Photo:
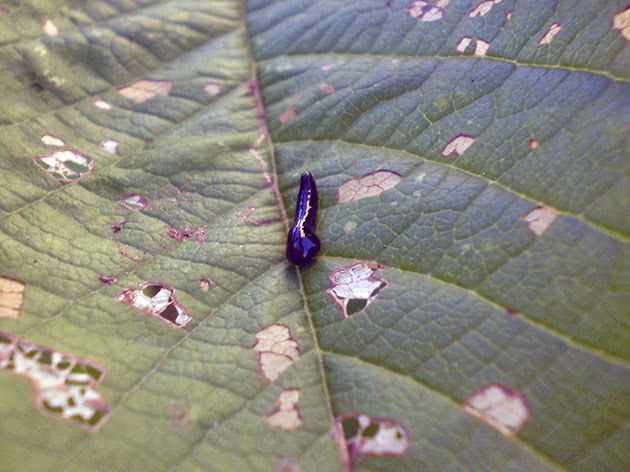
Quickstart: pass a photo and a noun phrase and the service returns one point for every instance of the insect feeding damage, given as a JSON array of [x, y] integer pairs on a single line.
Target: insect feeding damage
[[276, 349], [362, 434], [65, 386], [505, 410], [157, 300], [355, 287], [287, 415], [11, 297]]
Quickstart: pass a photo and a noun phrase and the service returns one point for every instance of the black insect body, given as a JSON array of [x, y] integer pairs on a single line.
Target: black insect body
[[302, 242]]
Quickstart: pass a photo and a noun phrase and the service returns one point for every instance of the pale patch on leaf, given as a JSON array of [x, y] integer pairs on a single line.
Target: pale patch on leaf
[[205, 285], [142, 90], [102, 104], [483, 8], [157, 300], [554, 29], [65, 165], [328, 67], [50, 28], [539, 219], [133, 202], [367, 185], [287, 416], [463, 44], [481, 47], [109, 145], [288, 464], [288, 114], [65, 386], [276, 349], [505, 410], [458, 145], [355, 287], [425, 11], [327, 88], [621, 22], [349, 227], [362, 434], [212, 88], [51, 140], [11, 297]]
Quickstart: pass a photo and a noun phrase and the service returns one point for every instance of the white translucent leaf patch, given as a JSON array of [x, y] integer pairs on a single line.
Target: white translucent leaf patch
[[65, 386], [362, 434], [157, 300], [276, 349], [65, 165], [505, 410], [355, 287], [11, 297], [287, 415]]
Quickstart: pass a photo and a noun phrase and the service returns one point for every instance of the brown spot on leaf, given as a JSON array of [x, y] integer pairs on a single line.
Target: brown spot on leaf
[[539, 219], [554, 29], [11, 297], [355, 287], [65, 386], [327, 88], [106, 279], [505, 410], [367, 185], [182, 234], [458, 145], [362, 434], [65, 165], [276, 349], [287, 415], [157, 300], [288, 114], [621, 22], [142, 90]]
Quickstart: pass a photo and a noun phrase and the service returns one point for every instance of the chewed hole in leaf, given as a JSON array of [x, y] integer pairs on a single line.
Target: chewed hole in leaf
[[65, 165], [355, 287], [368, 185], [52, 140], [458, 145], [65, 386], [505, 410], [552, 31], [11, 297], [157, 300], [362, 434]]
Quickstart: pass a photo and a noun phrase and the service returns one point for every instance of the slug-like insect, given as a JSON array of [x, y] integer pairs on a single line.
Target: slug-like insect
[[302, 242]]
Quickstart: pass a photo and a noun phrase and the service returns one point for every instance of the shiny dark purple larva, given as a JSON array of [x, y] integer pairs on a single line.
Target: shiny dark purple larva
[[302, 242]]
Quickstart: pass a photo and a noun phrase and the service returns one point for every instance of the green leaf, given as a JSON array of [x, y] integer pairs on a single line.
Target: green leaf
[[472, 294]]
